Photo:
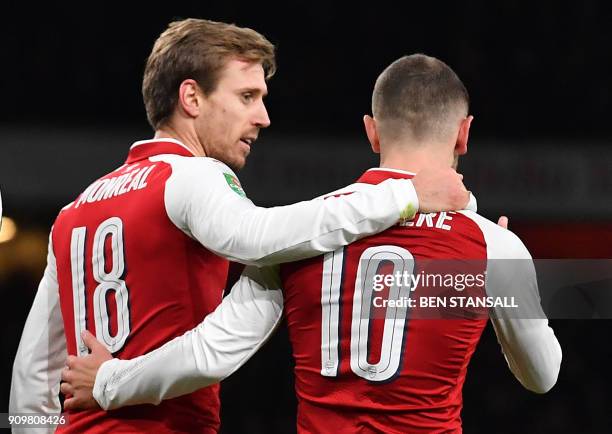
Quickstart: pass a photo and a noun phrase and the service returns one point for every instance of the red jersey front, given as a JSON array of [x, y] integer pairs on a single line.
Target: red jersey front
[[130, 276], [358, 372]]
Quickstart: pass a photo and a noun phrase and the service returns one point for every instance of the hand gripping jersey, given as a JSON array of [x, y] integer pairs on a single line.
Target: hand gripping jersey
[[140, 257], [394, 370]]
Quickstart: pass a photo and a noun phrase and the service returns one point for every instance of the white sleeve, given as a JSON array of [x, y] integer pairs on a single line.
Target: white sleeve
[[222, 343], [205, 200], [41, 354], [529, 344]]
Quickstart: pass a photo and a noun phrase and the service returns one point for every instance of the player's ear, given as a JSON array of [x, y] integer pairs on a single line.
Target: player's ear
[[462, 135], [372, 132], [189, 98]]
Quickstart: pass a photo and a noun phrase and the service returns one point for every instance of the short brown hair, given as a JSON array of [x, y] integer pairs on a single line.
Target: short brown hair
[[418, 95], [197, 49]]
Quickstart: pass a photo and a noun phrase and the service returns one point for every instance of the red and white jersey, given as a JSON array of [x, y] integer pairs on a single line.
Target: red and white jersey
[[130, 275], [354, 373], [140, 257], [361, 371]]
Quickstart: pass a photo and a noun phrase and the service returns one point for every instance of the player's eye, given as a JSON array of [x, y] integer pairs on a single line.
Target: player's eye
[[247, 97]]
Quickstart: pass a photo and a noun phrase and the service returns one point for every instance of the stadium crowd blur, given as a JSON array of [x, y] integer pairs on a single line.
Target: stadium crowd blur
[[538, 77]]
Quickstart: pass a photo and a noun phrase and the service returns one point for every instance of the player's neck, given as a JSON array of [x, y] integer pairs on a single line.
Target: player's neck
[[415, 160], [187, 138]]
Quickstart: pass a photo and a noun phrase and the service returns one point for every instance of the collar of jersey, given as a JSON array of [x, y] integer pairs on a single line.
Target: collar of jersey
[[376, 175], [148, 148]]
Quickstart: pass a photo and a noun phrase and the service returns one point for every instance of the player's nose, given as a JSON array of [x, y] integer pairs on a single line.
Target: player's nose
[[261, 118]]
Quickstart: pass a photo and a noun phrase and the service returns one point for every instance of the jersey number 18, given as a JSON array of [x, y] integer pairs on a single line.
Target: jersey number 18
[[107, 281]]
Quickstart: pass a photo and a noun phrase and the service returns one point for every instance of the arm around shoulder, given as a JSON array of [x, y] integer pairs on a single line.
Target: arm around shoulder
[[205, 200]]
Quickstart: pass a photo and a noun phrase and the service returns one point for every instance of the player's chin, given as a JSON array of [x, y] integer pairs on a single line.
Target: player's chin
[[239, 161], [246, 151]]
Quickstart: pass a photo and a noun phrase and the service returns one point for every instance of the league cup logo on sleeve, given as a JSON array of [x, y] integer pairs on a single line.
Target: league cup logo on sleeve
[[234, 184]]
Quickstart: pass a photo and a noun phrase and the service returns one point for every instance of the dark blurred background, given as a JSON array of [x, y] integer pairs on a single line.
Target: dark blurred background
[[539, 78]]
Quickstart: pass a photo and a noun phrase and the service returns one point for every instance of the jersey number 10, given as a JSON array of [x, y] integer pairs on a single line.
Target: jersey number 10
[[106, 280], [370, 261]]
